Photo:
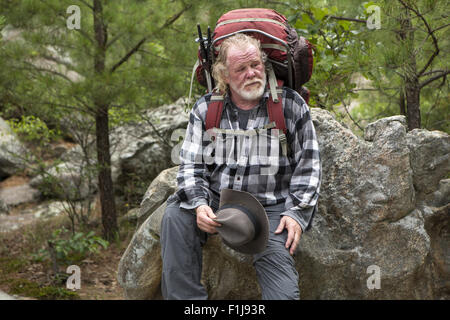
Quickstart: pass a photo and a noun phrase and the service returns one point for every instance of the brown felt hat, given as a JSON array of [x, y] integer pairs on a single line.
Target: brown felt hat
[[245, 226]]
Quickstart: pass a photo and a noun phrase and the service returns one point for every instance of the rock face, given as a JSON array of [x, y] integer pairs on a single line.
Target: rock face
[[139, 152], [16, 195], [383, 210], [67, 180], [43, 211], [10, 146], [4, 296]]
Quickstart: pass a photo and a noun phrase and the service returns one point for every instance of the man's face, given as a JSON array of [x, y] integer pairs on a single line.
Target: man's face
[[246, 73]]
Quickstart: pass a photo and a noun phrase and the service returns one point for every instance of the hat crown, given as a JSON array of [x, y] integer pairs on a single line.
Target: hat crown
[[237, 229], [245, 225]]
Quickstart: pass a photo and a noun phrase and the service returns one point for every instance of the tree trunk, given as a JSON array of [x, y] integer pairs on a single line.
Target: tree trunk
[[413, 103], [411, 81], [105, 184], [401, 103]]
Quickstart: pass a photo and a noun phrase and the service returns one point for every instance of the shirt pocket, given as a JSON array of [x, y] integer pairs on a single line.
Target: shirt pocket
[[265, 151], [225, 150]]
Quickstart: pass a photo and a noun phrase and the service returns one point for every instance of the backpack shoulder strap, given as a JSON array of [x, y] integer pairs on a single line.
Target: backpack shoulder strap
[[275, 109], [214, 112]]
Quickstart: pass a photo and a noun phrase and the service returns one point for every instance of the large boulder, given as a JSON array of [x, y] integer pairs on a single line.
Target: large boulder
[[18, 194], [44, 211], [375, 213], [69, 179], [139, 152], [157, 193]]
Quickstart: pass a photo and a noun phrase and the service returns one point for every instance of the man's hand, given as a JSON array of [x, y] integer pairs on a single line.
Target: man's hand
[[204, 219], [294, 232]]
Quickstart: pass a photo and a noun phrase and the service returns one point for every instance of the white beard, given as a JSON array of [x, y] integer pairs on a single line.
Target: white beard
[[251, 95]]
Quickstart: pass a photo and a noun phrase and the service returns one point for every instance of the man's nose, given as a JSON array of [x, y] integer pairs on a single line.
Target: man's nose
[[251, 73]]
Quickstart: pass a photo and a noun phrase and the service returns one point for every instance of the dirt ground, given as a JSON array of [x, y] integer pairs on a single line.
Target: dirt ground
[[19, 268], [21, 272]]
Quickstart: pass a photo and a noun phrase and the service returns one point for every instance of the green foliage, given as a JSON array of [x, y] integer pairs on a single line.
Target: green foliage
[[32, 289], [33, 129], [121, 116], [72, 249], [47, 78], [2, 24], [346, 50], [335, 42], [11, 264]]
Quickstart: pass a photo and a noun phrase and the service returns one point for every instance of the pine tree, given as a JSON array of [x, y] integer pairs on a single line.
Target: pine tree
[[92, 59]]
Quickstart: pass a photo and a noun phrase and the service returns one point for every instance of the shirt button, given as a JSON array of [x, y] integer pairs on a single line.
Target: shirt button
[[238, 178]]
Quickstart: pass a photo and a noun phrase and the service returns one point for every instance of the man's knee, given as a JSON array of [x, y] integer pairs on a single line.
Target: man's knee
[[277, 276]]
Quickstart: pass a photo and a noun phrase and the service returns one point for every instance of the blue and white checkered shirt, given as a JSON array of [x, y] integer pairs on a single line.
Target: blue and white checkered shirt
[[252, 160]]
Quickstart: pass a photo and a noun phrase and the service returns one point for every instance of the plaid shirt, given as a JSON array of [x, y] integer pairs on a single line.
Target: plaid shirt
[[261, 169]]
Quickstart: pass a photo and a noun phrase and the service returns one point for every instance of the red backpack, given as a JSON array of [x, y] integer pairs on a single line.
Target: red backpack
[[290, 57]]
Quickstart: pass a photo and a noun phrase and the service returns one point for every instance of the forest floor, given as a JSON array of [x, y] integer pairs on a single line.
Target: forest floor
[[27, 268], [24, 274]]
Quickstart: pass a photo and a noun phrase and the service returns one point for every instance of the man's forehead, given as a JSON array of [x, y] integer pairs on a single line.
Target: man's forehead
[[243, 53]]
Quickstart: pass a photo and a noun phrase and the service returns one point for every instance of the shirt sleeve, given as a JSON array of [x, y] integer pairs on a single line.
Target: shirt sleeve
[[193, 185], [306, 178]]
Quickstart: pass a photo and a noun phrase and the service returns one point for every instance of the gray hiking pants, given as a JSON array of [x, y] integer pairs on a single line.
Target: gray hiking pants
[[181, 251]]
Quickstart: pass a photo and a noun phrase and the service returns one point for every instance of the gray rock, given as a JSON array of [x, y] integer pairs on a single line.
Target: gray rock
[[141, 151], [157, 193], [67, 180], [131, 216], [440, 197], [138, 155], [437, 225], [372, 213], [430, 158], [43, 211], [4, 209], [51, 209], [5, 296], [140, 266], [12, 196], [12, 151]]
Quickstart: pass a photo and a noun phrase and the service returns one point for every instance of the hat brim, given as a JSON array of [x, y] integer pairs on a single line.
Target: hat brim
[[247, 200]]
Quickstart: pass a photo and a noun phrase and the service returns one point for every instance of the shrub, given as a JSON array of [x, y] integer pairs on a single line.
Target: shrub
[[75, 248]]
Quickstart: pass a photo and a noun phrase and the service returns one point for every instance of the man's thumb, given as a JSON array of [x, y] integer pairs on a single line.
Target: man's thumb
[[280, 226], [210, 212]]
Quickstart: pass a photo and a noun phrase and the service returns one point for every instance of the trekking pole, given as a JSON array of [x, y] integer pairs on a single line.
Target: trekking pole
[[203, 52], [204, 56], [208, 52], [208, 42]]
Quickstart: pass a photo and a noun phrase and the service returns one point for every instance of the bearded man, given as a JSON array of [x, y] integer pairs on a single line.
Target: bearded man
[[289, 195]]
